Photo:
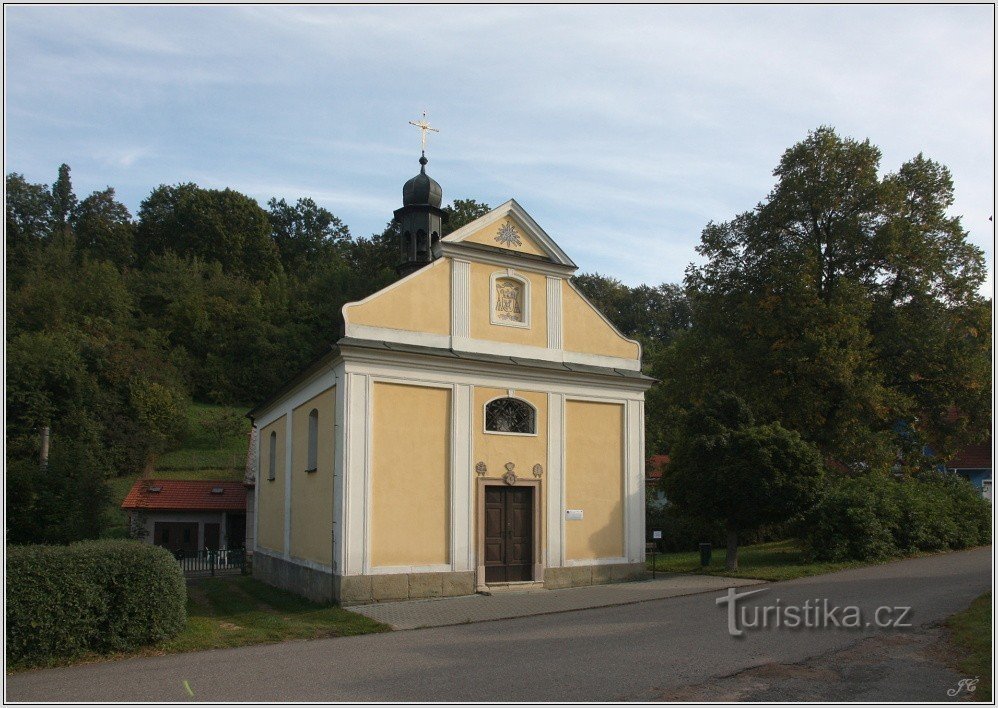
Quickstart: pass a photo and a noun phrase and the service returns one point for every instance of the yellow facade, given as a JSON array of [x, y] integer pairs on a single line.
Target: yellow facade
[[312, 492], [496, 449], [419, 304], [586, 332], [487, 236], [481, 309], [410, 469], [270, 513], [594, 479]]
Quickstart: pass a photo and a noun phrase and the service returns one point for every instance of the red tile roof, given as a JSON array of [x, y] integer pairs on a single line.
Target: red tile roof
[[972, 457], [654, 466], [186, 494]]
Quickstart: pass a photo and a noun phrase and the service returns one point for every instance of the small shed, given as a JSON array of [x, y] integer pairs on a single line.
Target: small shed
[[187, 516]]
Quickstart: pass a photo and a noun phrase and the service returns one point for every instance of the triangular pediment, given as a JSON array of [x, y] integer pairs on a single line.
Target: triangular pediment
[[509, 227]]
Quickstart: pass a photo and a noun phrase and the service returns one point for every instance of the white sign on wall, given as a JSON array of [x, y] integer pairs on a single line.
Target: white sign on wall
[[656, 535], [573, 514]]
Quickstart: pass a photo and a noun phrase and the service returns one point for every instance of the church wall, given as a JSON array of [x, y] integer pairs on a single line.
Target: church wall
[[270, 511], [410, 471], [585, 331], [487, 236], [594, 480], [419, 303], [481, 309], [312, 492]]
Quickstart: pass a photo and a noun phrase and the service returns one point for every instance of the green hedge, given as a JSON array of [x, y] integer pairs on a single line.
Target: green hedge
[[93, 596], [875, 517]]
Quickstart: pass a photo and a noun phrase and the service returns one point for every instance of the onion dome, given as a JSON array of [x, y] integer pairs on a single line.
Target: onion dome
[[422, 189]]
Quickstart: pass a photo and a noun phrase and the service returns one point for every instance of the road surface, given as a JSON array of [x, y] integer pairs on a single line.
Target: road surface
[[676, 648]]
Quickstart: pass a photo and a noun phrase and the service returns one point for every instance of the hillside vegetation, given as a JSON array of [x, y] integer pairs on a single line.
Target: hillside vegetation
[[208, 451]]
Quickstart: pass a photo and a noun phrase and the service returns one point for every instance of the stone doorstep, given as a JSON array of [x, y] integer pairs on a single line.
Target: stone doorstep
[[512, 587]]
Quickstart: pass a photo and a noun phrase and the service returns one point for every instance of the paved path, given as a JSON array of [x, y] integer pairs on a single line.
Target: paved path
[[641, 651], [506, 604]]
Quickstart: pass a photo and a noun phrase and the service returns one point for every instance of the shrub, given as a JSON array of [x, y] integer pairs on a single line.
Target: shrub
[[875, 517], [683, 532], [93, 596]]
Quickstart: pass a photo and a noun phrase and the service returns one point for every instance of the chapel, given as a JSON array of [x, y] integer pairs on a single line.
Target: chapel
[[478, 424]]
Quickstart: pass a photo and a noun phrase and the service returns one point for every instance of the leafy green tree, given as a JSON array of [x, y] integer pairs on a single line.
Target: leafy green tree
[[306, 234], [215, 225], [104, 228], [726, 467], [805, 306], [461, 212], [63, 198], [28, 221]]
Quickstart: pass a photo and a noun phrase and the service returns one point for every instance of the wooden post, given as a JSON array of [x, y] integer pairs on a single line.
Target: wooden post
[[43, 457]]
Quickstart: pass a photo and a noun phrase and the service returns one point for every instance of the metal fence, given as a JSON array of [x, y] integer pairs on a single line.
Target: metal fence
[[206, 562]]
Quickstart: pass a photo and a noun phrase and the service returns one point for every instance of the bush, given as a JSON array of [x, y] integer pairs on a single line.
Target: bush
[[683, 532], [93, 596], [875, 517]]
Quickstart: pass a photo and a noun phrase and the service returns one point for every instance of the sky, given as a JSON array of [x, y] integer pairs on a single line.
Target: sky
[[622, 130]]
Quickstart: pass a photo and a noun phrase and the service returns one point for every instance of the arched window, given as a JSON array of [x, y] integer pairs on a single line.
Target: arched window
[[313, 441], [510, 415], [272, 469]]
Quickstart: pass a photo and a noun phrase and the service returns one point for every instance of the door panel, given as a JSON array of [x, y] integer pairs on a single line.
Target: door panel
[[508, 534], [211, 536], [176, 536]]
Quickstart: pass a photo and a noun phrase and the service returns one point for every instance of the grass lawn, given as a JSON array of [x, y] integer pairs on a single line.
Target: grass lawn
[[777, 560], [237, 611], [203, 452], [971, 638]]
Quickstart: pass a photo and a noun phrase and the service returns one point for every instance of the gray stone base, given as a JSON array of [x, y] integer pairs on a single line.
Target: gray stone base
[[362, 589], [315, 585], [576, 576]]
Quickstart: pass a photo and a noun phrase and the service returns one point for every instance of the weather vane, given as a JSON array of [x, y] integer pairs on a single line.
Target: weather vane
[[423, 128]]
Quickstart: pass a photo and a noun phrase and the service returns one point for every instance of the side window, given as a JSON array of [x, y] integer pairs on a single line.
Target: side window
[[510, 415], [313, 441], [272, 468]]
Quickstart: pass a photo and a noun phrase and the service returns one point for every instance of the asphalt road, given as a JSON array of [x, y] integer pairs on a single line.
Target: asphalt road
[[644, 651]]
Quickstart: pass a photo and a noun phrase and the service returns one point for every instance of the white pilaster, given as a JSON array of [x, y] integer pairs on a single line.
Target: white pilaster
[[339, 453], [288, 430], [555, 480], [460, 280], [460, 488], [354, 473], [634, 512], [256, 492], [554, 315]]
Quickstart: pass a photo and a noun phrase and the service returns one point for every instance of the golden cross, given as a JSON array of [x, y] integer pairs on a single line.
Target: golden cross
[[423, 127]]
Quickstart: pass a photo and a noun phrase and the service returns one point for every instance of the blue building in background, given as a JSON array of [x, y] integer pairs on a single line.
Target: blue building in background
[[974, 463]]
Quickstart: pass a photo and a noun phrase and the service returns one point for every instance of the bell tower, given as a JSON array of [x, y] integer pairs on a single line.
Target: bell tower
[[420, 219]]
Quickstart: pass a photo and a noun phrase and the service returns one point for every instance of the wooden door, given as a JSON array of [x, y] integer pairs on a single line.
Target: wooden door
[[509, 534], [176, 536]]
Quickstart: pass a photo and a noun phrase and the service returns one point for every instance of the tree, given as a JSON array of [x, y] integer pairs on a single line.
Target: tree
[[806, 306], [63, 198], [461, 212], [728, 468], [306, 234], [104, 228], [215, 225], [28, 220]]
